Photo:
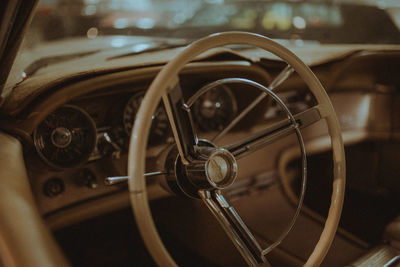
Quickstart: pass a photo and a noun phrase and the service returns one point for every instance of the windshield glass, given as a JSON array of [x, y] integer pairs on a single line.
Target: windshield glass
[[62, 29], [325, 22]]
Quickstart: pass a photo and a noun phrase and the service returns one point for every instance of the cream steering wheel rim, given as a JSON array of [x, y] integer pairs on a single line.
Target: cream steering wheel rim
[[166, 79]]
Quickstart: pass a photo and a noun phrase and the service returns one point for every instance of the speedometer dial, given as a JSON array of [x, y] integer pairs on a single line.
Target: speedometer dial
[[132, 106], [66, 137], [160, 125], [215, 109]]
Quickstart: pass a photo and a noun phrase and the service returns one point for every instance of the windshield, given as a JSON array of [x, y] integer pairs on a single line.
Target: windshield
[[62, 29], [325, 22]]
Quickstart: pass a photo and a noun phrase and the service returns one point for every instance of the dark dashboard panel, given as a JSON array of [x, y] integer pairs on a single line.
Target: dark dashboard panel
[[112, 107], [111, 103]]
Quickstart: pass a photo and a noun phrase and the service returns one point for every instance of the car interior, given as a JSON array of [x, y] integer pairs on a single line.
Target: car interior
[[231, 149]]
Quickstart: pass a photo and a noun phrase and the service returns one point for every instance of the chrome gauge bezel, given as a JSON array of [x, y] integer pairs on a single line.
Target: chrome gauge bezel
[[158, 118], [198, 116], [91, 141], [125, 119]]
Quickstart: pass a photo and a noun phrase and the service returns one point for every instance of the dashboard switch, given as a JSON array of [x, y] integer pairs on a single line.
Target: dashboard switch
[[87, 178], [53, 187]]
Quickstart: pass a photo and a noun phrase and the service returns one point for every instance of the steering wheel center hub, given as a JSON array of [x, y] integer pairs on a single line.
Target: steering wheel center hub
[[213, 168], [221, 168]]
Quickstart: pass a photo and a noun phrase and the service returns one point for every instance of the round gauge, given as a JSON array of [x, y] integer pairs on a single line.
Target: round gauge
[[160, 123], [215, 109], [66, 138]]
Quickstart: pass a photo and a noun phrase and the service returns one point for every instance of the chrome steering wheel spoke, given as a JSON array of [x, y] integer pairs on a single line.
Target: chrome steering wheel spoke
[[234, 226], [181, 123], [274, 132]]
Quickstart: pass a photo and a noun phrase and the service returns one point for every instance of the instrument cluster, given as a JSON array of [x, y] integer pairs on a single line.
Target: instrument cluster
[[91, 129], [160, 125]]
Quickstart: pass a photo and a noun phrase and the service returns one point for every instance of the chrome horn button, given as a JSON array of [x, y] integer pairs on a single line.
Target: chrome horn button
[[214, 168], [217, 169], [221, 168]]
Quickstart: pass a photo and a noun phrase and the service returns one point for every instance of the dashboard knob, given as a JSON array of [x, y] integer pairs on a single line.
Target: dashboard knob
[[86, 178], [53, 187]]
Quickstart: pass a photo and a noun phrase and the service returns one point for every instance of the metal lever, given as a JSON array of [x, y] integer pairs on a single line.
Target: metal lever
[[120, 179]]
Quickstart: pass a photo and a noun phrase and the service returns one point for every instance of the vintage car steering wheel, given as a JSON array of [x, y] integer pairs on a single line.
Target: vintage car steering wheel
[[207, 168]]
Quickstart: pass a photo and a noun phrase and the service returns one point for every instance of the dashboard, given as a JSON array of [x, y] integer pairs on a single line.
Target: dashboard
[[76, 130], [83, 140], [80, 131]]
